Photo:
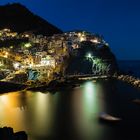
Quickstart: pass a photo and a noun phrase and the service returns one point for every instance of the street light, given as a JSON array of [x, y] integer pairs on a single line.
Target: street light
[[90, 58], [89, 55]]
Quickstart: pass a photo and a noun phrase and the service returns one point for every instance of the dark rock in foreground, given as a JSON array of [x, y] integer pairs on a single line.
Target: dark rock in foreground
[[7, 133], [9, 87]]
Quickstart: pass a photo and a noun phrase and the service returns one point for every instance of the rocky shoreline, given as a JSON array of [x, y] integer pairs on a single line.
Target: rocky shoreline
[[6, 87], [129, 79]]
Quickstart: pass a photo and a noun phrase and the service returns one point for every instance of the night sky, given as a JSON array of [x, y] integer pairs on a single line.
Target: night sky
[[117, 20]]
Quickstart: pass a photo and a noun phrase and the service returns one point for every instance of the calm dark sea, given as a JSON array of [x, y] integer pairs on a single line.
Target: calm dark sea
[[74, 114], [132, 67]]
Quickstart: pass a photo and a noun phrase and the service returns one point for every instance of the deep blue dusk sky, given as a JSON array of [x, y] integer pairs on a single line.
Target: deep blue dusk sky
[[117, 20]]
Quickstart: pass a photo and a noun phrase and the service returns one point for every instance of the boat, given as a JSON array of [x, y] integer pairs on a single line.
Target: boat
[[137, 101], [108, 118], [94, 81]]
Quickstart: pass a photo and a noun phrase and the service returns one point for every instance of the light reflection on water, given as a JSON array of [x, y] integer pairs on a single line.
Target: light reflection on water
[[12, 110], [36, 112], [72, 113], [88, 107], [43, 113], [33, 112]]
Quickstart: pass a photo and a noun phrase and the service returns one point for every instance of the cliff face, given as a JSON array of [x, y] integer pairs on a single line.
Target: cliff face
[[18, 18], [92, 59]]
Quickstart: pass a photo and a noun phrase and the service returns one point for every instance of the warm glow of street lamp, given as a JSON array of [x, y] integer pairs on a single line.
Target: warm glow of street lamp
[[6, 54], [26, 35], [94, 40], [79, 34], [82, 38]]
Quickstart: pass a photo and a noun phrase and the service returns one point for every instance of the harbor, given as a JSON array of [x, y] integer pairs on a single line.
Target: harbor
[[77, 110]]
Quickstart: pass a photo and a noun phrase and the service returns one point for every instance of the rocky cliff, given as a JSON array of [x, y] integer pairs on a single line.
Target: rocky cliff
[[92, 59]]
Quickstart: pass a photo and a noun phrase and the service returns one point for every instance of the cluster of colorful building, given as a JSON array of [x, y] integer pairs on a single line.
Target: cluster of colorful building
[[46, 55]]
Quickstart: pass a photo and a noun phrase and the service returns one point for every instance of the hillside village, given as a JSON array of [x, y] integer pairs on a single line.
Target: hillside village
[[41, 57]]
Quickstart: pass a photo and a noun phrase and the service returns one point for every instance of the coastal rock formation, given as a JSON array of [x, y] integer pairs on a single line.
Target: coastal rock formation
[[129, 79], [92, 58]]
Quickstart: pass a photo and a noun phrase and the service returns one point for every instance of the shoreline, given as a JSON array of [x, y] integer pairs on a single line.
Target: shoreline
[[10, 87], [135, 82], [57, 84], [68, 82]]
